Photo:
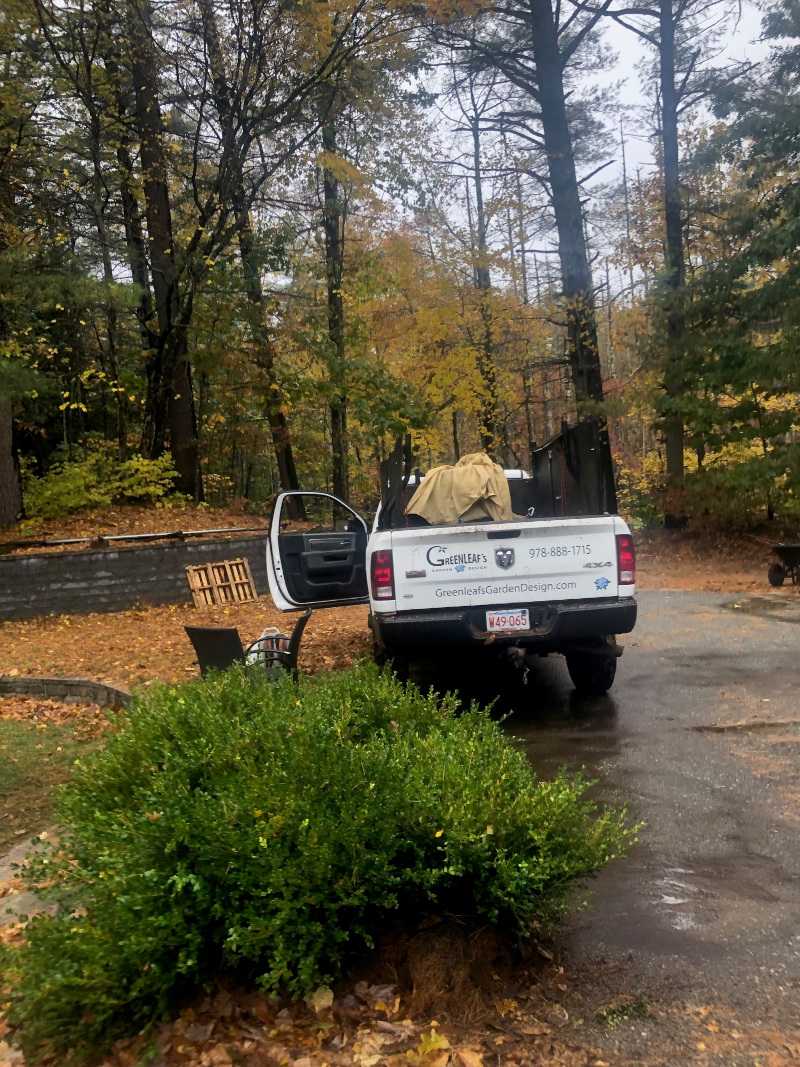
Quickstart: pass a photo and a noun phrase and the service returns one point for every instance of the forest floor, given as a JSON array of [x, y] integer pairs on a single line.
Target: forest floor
[[128, 519]]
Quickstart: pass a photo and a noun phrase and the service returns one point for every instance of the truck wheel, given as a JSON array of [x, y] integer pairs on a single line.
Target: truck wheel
[[592, 675], [776, 574], [399, 664]]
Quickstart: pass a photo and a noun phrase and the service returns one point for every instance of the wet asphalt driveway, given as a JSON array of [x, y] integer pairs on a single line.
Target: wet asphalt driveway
[[695, 936]]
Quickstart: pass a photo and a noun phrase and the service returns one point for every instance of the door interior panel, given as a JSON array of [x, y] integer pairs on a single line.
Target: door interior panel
[[324, 566], [323, 556]]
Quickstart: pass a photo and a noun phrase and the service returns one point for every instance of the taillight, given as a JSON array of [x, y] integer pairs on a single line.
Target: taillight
[[381, 575], [626, 560]]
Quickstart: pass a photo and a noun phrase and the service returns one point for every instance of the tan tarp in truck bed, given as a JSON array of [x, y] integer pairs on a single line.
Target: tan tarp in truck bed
[[475, 488]]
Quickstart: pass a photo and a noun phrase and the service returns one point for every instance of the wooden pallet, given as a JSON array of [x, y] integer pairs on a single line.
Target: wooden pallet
[[228, 582]]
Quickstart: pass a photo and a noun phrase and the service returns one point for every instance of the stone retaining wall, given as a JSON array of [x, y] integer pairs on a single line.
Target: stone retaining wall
[[114, 579], [70, 690]]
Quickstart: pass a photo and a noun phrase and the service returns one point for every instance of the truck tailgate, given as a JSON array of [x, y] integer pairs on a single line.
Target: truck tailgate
[[505, 563]]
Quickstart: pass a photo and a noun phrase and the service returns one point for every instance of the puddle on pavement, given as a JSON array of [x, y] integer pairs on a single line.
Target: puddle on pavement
[[649, 905], [779, 607], [680, 900], [647, 902], [645, 905], [582, 736]]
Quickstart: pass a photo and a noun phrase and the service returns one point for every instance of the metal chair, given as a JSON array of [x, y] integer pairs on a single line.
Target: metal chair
[[216, 647], [219, 647]]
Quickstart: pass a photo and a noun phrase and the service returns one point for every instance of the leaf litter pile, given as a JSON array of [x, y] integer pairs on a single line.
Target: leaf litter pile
[[362, 1024], [366, 1027], [88, 720], [123, 519]]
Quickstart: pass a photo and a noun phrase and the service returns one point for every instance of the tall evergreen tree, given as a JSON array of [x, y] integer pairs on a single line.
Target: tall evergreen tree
[[681, 32], [534, 45]]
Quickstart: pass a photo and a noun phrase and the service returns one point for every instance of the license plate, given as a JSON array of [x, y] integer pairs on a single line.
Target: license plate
[[508, 620]]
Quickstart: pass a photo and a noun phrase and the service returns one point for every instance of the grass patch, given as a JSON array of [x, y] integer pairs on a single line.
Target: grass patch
[[35, 759]]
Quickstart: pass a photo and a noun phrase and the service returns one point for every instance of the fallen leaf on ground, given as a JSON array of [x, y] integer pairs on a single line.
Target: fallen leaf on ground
[[8, 888], [149, 644], [533, 1029], [10, 1057], [321, 999], [89, 720], [505, 1007], [468, 1057], [216, 1057], [12, 934]]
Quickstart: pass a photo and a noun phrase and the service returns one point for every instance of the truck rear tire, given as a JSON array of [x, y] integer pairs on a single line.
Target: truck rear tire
[[592, 674], [384, 657]]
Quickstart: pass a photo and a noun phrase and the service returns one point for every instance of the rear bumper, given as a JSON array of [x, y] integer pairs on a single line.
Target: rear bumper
[[555, 626]]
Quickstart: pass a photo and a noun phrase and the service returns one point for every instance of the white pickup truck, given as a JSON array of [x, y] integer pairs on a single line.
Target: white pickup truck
[[534, 585]]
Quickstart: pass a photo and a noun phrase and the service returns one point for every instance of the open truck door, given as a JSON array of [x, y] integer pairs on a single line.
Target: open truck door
[[319, 561]]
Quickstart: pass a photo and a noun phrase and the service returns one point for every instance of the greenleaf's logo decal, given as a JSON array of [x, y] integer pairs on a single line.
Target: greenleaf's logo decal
[[437, 557]]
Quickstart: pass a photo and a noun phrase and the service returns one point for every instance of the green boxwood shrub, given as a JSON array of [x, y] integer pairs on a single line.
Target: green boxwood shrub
[[236, 824]]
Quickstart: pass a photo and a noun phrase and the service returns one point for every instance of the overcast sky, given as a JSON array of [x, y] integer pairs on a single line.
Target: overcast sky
[[743, 43]]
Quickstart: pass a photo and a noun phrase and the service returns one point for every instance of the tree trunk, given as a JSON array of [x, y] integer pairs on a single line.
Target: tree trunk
[[527, 392], [527, 364], [490, 428], [183, 431], [576, 276], [10, 483], [110, 351], [137, 248], [10, 488], [265, 359], [333, 216], [257, 318], [676, 275], [131, 215], [456, 442], [170, 403]]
